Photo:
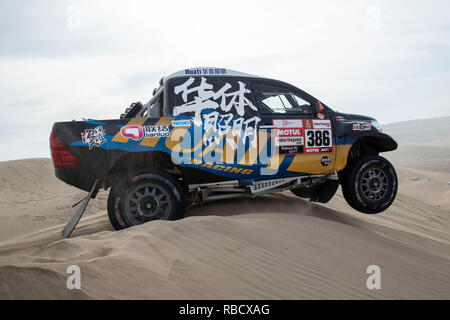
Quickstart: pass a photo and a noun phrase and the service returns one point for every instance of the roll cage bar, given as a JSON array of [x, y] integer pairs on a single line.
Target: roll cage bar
[[145, 109]]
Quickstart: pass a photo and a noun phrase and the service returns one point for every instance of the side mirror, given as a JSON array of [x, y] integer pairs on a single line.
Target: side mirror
[[318, 108]]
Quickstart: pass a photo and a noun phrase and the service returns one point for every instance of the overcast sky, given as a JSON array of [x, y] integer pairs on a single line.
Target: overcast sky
[[64, 60]]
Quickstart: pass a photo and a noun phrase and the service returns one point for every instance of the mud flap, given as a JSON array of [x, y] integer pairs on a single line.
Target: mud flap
[[67, 231], [325, 191]]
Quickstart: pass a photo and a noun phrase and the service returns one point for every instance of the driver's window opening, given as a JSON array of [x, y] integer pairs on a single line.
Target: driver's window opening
[[280, 101]]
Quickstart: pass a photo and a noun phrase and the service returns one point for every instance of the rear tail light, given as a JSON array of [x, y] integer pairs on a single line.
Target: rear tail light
[[61, 155]]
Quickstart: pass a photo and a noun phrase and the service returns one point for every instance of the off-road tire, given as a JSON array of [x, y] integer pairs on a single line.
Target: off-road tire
[[113, 208], [155, 188], [132, 110], [371, 170]]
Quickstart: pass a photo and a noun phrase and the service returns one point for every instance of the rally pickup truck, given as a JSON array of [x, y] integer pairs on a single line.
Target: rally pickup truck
[[213, 133]]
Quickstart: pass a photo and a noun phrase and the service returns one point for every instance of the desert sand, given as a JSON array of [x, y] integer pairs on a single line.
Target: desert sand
[[272, 247]]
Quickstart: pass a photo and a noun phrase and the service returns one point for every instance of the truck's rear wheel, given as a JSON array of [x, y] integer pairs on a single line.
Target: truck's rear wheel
[[114, 208], [369, 184], [150, 195]]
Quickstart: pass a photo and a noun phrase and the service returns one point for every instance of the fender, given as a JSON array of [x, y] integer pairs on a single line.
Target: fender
[[370, 143]]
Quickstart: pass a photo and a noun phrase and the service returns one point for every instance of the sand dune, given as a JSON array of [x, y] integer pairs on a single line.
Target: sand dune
[[276, 246], [271, 247], [32, 198], [423, 144]]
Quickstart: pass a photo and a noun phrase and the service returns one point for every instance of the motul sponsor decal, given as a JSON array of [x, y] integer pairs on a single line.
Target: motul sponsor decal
[[289, 132], [289, 136]]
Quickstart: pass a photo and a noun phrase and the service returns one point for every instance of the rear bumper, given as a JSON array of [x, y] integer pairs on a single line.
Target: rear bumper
[[76, 177]]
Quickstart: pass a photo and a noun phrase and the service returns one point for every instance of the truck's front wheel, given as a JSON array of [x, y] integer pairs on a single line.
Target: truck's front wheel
[[369, 184], [150, 195]]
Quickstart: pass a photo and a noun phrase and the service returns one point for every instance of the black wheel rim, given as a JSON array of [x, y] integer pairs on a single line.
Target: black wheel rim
[[374, 183], [147, 202]]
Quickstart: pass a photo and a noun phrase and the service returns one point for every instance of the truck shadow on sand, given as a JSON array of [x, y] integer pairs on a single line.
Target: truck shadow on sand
[[269, 204]]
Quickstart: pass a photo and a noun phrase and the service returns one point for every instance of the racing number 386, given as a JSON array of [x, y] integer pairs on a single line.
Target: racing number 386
[[318, 138]]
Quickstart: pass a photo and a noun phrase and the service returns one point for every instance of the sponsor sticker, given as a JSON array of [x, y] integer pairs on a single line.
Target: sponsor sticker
[[288, 141], [205, 71], [308, 124], [290, 149], [363, 126], [181, 123], [326, 161], [322, 124], [137, 133], [94, 137], [326, 149], [156, 131], [133, 132], [287, 123], [289, 132], [224, 168], [289, 135]]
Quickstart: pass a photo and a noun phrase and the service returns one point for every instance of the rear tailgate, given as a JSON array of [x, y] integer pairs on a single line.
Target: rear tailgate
[[81, 140]]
